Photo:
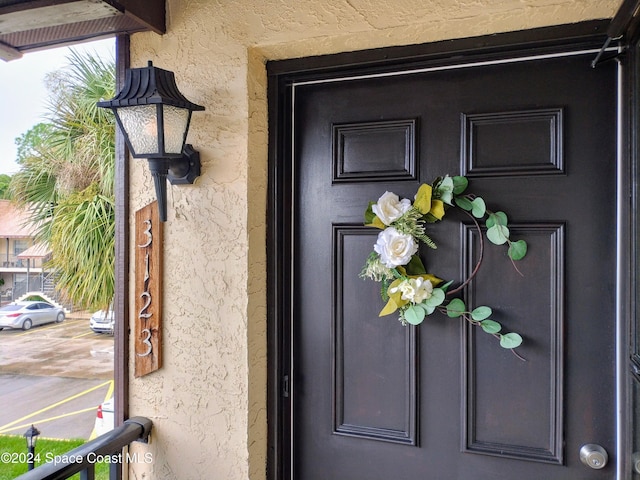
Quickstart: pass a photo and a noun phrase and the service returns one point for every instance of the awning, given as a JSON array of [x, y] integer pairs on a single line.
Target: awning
[[37, 24], [38, 250]]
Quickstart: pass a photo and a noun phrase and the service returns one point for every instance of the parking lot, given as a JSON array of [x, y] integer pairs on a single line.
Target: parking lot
[[54, 376], [67, 349]]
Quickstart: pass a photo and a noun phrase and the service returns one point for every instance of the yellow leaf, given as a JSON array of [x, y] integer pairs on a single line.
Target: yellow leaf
[[388, 309], [376, 223], [437, 209], [423, 199], [395, 299]]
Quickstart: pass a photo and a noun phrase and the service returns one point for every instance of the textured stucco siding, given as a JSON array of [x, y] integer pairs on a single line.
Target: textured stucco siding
[[208, 402]]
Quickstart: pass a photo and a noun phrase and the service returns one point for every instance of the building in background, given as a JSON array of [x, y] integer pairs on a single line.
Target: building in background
[[21, 259]]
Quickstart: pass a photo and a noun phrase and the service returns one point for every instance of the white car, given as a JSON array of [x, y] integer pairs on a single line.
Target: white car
[[28, 314], [102, 321], [104, 418]]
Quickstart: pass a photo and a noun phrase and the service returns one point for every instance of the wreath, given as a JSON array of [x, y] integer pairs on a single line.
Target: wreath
[[406, 287]]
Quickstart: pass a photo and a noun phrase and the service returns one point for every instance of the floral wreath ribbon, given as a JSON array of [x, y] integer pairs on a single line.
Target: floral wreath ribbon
[[406, 287]]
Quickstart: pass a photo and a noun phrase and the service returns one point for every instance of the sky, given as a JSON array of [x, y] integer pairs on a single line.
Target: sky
[[23, 94]]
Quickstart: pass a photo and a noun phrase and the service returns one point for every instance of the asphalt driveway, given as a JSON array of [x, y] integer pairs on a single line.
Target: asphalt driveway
[[54, 377], [59, 407], [67, 349]]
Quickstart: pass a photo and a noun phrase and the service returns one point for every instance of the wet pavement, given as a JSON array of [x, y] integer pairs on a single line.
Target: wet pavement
[[59, 407], [67, 349], [54, 377]]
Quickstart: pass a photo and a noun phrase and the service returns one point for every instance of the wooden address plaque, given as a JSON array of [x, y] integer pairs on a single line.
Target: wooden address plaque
[[148, 291]]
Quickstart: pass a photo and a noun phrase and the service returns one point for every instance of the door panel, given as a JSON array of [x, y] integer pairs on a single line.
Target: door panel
[[372, 399]]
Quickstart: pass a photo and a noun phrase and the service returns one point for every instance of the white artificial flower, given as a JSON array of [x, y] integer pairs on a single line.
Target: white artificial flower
[[390, 208], [415, 290], [395, 248]]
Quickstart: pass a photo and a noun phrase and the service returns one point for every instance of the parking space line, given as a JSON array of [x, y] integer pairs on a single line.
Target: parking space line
[[4, 428], [109, 391], [45, 420], [40, 329], [83, 335], [109, 394]]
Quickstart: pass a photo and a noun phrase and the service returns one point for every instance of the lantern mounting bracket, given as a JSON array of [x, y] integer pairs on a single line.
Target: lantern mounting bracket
[[185, 170]]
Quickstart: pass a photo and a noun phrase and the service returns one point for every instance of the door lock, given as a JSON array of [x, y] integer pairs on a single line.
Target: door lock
[[594, 456]]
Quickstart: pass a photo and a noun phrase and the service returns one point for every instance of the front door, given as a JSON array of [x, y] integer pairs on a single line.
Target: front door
[[372, 399]]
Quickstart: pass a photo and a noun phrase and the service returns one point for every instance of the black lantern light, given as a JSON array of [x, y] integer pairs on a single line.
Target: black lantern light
[[154, 117], [31, 435]]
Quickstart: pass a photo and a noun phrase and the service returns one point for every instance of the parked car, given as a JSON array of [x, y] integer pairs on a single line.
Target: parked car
[[103, 321], [104, 418], [27, 314]]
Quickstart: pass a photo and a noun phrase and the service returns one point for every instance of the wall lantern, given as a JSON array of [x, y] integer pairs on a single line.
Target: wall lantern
[[31, 435], [154, 117]]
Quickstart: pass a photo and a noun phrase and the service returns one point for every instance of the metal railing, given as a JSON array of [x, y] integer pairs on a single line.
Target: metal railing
[[82, 459], [12, 261]]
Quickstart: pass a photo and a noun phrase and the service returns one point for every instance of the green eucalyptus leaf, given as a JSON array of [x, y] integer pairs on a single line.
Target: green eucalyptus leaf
[[510, 340], [502, 217], [497, 218], [446, 183], [490, 326], [429, 309], [436, 298], [444, 190], [446, 286], [498, 234], [517, 250], [464, 203], [480, 313], [456, 308], [446, 197], [414, 315], [478, 207], [459, 184]]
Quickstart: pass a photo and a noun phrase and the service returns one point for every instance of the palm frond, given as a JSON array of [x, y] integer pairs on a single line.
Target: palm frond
[[67, 179]]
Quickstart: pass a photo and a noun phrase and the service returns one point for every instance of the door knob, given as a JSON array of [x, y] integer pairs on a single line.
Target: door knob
[[593, 456]]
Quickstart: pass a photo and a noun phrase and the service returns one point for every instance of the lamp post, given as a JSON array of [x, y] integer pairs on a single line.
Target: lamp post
[[32, 436], [154, 118]]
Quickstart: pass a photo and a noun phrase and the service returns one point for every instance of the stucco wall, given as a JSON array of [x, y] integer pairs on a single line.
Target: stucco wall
[[208, 402]]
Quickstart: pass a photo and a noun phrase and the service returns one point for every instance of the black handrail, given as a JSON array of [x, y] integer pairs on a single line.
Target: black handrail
[[82, 458]]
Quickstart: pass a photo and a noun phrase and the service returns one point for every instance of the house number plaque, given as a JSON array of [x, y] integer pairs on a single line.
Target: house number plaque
[[148, 291]]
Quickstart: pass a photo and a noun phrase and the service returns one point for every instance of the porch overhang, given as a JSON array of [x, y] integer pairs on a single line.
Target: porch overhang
[[27, 25]]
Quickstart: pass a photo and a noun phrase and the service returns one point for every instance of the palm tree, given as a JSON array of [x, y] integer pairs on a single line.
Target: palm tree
[[4, 186], [66, 180]]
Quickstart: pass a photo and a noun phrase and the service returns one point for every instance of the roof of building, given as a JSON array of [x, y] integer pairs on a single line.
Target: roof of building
[[13, 221], [38, 250]]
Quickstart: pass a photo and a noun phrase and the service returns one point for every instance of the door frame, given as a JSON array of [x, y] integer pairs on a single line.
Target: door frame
[[284, 75]]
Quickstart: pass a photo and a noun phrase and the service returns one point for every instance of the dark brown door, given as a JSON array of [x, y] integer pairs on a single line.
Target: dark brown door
[[372, 399]]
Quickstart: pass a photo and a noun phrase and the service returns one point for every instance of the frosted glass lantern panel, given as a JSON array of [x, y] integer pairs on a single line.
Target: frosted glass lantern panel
[[175, 127], [141, 125]]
